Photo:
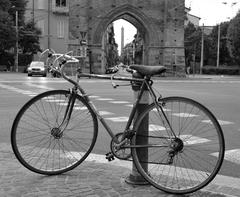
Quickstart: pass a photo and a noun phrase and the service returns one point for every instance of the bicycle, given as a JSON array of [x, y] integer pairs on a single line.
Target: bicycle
[[56, 130]]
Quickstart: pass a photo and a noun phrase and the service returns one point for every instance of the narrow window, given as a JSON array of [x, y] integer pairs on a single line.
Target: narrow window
[[60, 29]]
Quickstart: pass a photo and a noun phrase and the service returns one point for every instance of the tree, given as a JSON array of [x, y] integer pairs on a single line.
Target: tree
[[18, 5], [192, 39], [28, 34], [224, 57], [7, 31], [233, 35], [29, 38]]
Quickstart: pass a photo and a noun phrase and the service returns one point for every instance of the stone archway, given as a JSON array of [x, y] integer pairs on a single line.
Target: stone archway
[[161, 22], [130, 14]]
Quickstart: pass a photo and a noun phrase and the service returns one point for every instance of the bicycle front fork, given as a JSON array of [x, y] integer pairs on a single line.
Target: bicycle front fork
[[57, 132]]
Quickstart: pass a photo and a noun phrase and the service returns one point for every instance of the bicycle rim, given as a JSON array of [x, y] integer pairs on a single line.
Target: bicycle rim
[[188, 162], [41, 146]]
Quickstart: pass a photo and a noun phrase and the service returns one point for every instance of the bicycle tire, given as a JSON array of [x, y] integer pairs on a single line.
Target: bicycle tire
[[37, 142], [188, 162]]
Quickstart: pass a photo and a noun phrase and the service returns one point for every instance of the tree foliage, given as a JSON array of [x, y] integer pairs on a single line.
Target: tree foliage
[[7, 32], [193, 37], [224, 57], [233, 35], [18, 5], [29, 38], [28, 34]]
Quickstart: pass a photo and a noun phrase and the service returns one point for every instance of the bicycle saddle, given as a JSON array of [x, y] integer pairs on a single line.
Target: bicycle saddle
[[148, 70]]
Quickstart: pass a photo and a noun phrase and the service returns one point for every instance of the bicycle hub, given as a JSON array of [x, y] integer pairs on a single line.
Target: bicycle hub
[[56, 133]]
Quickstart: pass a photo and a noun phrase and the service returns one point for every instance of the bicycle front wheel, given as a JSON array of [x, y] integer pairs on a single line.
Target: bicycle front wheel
[[185, 161], [42, 143]]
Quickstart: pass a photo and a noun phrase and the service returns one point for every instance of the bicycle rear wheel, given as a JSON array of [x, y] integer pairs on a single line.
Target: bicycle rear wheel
[[183, 163], [45, 147]]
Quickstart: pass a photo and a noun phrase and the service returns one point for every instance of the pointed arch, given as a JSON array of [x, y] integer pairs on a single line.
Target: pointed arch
[[130, 14]]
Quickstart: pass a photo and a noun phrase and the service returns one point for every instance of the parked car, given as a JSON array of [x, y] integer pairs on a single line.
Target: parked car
[[113, 69], [37, 68]]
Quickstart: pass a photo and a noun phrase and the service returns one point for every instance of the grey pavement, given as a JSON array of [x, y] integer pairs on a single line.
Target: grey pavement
[[95, 178], [90, 179]]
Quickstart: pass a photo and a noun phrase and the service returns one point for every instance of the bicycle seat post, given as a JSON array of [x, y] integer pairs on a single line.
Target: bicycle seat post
[[134, 177]]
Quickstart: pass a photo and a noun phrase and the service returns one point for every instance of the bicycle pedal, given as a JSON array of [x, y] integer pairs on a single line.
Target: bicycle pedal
[[109, 156]]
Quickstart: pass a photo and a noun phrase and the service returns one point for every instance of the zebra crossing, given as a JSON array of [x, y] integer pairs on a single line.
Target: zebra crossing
[[230, 155]]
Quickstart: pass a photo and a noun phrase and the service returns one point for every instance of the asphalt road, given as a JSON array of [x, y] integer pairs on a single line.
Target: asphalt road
[[219, 94]]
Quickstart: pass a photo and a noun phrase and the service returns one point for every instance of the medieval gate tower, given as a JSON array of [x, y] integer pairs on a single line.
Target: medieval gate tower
[[160, 22]]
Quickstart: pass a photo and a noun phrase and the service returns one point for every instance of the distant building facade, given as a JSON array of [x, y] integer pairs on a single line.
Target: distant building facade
[[62, 21], [191, 18], [51, 17]]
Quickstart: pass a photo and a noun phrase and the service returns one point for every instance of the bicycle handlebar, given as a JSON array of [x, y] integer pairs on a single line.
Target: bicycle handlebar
[[65, 58]]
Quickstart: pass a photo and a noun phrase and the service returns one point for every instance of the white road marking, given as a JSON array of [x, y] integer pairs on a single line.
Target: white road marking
[[27, 92], [104, 113], [119, 102], [104, 99], [93, 96], [187, 139], [56, 101], [39, 86], [190, 139], [63, 104], [49, 97], [118, 119], [79, 108], [164, 109], [185, 115], [221, 122], [153, 127], [231, 155], [11, 88]]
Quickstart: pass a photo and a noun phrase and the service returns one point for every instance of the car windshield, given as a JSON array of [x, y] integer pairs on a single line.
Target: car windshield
[[37, 64]]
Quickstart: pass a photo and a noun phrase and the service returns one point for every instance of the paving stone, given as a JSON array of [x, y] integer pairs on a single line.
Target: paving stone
[[91, 179]]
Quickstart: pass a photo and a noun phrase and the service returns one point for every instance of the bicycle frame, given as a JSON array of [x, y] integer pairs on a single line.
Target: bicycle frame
[[145, 85]]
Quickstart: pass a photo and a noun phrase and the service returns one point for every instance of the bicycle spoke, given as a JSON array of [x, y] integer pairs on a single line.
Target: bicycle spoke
[[186, 164], [42, 144]]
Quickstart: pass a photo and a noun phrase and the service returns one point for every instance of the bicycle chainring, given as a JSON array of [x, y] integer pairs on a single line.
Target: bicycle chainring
[[119, 151]]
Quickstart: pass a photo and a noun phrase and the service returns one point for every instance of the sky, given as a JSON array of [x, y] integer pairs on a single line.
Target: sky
[[129, 32], [211, 13]]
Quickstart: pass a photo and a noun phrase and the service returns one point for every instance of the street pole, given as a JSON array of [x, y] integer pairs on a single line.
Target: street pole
[[202, 50], [48, 18], [135, 178], [16, 59], [33, 10], [218, 45]]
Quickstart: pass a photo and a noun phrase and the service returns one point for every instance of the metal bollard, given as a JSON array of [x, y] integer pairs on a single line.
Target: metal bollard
[[134, 177]]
